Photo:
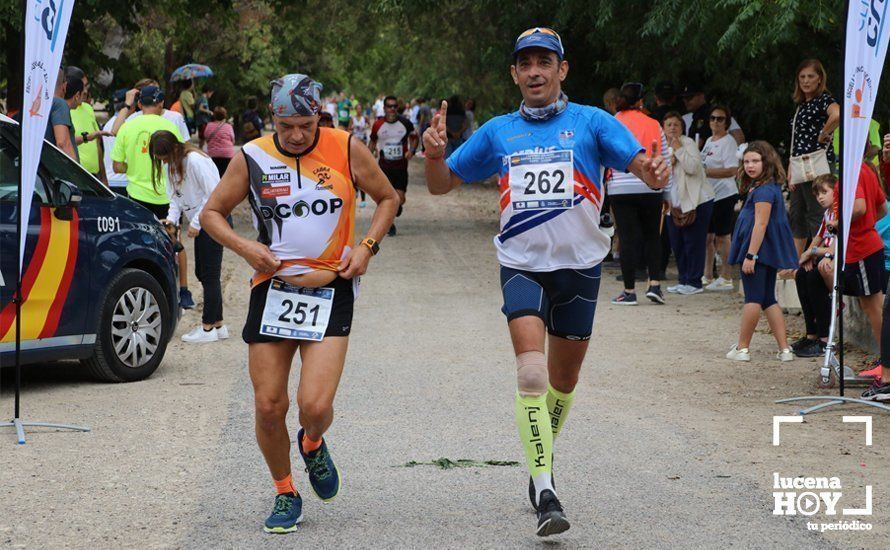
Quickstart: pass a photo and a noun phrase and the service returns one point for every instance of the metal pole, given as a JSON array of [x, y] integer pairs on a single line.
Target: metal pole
[[839, 288], [18, 235]]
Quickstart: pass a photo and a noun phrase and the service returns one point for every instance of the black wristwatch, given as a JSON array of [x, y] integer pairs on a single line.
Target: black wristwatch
[[828, 255], [85, 136], [750, 256]]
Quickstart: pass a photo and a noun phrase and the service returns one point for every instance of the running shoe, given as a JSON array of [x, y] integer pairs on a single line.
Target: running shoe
[[720, 284], [222, 332], [689, 290], [185, 299], [705, 281], [878, 391], [199, 336], [532, 492], [803, 340], [874, 372], [785, 355], [626, 299], [737, 354], [674, 289], [392, 230], [551, 519], [654, 294], [812, 348], [286, 514], [323, 474]]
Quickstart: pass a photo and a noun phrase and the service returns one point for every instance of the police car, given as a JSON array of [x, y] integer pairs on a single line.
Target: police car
[[99, 278]]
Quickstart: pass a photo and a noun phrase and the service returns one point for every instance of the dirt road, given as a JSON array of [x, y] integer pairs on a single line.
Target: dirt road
[[668, 444]]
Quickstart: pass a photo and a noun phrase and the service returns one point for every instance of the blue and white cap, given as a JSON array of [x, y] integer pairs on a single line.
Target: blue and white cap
[[296, 95], [540, 37]]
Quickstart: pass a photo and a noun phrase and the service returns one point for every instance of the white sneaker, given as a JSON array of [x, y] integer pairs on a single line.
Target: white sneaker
[[689, 290], [720, 284], [222, 332], [705, 281], [674, 289], [199, 335], [785, 355], [737, 354]]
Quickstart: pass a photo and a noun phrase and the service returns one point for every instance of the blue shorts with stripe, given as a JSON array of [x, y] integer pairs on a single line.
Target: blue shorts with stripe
[[564, 299]]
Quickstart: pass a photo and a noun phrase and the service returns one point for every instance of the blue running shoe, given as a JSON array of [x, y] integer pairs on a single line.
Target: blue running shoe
[[323, 474], [185, 299], [286, 514]]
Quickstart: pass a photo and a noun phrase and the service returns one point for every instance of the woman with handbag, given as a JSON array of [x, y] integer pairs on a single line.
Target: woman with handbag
[[815, 118], [692, 204]]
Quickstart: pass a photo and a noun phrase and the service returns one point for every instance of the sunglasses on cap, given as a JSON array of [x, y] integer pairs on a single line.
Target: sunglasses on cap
[[542, 30]]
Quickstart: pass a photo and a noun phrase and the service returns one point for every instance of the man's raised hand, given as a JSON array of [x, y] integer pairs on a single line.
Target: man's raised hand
[[436, 138]]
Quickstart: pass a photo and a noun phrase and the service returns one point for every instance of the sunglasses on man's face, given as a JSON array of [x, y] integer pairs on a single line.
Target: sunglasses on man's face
[[718, 118], [391, 106]]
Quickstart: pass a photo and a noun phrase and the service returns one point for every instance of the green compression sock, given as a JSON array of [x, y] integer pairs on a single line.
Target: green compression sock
[[558, 404], [536, 437]]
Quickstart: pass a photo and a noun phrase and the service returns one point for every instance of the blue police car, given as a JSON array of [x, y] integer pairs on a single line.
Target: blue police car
[[99, 278]]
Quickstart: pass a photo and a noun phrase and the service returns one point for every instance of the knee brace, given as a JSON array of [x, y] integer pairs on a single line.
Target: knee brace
[[531, 373]]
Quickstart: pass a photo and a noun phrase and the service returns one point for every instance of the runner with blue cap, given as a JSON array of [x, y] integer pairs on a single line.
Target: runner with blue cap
[[549, 156], [301, 184]]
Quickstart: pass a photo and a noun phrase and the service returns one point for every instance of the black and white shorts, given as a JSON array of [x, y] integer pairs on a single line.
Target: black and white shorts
[[865, 277]]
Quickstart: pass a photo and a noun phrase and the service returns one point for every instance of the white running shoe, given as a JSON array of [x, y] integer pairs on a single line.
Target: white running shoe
[[689, 290], [785, 355], [720, 284], [222, 332], [705, 281], [737, 354], [674, 289], [198, 335]]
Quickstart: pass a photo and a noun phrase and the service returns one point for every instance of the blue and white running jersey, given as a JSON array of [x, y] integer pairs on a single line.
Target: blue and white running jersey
[[550, 179]]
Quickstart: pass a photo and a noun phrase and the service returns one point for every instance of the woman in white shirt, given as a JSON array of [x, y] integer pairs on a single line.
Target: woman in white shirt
[[720, 157], [692, 204], [191, 178]]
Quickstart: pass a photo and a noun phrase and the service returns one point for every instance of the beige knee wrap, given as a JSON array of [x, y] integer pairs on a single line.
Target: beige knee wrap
[[531, 373]]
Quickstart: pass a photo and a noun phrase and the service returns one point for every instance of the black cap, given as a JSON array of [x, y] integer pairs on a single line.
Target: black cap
[[151, 95], [691, 89], [665, 89]]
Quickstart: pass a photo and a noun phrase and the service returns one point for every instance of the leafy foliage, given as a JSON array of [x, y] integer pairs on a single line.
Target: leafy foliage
[[743, 51]]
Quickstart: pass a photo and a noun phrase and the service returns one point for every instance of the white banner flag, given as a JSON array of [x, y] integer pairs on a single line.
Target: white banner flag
[[866, 48], [46, 26]]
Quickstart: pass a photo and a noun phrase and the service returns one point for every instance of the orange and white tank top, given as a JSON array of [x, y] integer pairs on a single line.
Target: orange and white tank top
[[303, 205]]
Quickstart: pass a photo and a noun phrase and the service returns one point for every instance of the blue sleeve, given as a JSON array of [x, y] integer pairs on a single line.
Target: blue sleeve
[[60, 113], [765, 193], [617, 145], [476, 159]]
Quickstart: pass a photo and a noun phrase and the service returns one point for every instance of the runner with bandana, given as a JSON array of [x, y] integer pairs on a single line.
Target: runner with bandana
[[301, 184], [549, 157]]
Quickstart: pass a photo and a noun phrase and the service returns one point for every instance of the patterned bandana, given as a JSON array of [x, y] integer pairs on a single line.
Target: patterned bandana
[[296, 95], [547, 112]]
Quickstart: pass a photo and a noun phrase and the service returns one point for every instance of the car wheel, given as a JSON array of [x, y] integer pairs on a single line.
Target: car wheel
[[134, 328]]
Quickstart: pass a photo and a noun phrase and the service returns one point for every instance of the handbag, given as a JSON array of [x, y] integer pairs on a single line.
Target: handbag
[[807, 167], [680, 219]]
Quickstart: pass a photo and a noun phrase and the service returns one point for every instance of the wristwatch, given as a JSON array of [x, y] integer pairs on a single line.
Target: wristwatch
[[829, 255], [372, 245], [85, 136], [814, 250], [750, 256]]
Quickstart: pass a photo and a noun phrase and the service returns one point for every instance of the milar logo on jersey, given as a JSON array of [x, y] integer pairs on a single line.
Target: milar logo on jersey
[[276, 178], [275, 191]]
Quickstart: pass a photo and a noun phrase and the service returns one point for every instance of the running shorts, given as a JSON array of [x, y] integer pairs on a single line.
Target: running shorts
[[865, 277], [564, 299], [340, 322], [398, 177]]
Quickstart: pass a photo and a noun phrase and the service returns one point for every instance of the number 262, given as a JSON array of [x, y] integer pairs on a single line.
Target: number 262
[[541, 182]]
